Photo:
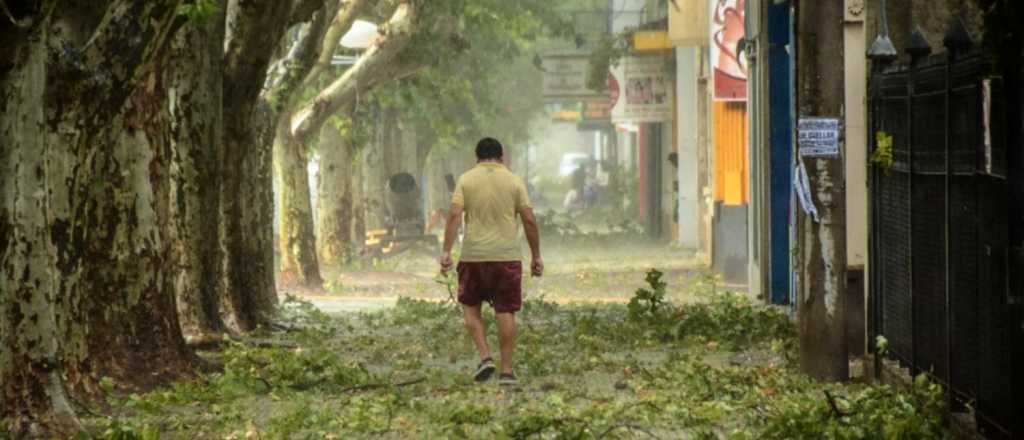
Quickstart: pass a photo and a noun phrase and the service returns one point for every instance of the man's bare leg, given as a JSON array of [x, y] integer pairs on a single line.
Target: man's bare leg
[[474, 322], [506, 339]]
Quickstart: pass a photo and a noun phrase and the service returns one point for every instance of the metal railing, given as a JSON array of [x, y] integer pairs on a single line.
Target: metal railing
[[940, 254]]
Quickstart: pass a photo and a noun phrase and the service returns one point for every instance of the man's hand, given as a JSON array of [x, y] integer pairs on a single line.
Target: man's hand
[[446, 262], [450, 229], [533, 237]]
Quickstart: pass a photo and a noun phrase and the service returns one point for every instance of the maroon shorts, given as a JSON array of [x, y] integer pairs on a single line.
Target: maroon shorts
[[499, 283]]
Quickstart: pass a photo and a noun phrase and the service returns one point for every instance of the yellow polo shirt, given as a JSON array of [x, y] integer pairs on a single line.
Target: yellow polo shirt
[[491, 197]]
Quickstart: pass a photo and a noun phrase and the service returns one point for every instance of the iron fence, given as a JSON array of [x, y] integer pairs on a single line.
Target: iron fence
[[940, 252]]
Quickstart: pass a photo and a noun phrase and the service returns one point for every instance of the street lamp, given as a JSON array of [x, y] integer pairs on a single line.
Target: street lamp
[[362, 35], [882, 50]]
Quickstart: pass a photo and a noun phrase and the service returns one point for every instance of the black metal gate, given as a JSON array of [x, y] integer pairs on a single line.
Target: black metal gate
[[940, 253]]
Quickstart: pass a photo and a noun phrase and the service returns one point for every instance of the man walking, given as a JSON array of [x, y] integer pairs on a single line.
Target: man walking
[[490, 267]]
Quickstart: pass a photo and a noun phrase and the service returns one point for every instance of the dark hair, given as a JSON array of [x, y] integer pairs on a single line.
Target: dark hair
[[488, 149]]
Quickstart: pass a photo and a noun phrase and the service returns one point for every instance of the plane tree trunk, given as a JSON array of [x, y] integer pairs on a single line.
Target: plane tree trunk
[[299, 263], [247, 202], [307, 60], [334, 205], [358, 195], [194, 92], [32, 394], [108, 157]]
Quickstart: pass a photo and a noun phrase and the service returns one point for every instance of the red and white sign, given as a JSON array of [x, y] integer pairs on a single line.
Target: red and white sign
[[730, 67], [641, 89]]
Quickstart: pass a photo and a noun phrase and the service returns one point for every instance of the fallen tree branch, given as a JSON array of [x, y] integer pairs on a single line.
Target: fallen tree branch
[[269, 343], [628, 426], [371, 386], [832, 403], [270, 386]]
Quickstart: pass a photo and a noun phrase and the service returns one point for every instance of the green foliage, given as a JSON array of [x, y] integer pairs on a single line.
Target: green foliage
[[299, 368], [731, 320], [882, 345], [589, 371], [649, 304], [882, 156], [878, 412], [606, 55], [115, 430], [471, 414], [726, 319], [107, 384], [199, 11], [477, 80]]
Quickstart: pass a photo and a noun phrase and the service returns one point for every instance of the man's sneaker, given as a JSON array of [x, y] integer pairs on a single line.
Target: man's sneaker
[[508, 379], [484, 370]]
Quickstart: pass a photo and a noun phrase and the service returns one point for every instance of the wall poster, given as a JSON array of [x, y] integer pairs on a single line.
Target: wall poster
[[646, 90], [730, 67]]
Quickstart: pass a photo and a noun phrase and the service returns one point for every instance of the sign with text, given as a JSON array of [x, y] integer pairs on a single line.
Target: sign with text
[[565, 76], [597, 110], [646, 94], [818, 137]]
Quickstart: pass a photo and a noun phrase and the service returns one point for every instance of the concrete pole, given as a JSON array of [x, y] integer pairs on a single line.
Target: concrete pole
[[822, 241], [688, 173]]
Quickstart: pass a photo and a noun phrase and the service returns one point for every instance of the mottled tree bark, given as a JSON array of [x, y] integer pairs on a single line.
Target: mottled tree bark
[[108, 176], [375, 181], [247, 212], [299, 263], [297, 240], [122, 306], [334, 208], [358, 195], [194, 92], [32, 394], [253, 31]]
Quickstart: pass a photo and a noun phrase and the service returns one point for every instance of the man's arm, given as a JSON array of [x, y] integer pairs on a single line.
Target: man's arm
[[533, 238], [450, 229]]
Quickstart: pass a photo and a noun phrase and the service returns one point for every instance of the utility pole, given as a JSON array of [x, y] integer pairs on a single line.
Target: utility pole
[[821, 236]]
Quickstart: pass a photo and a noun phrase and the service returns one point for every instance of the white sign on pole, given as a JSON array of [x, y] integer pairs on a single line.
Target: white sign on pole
[[818, 137]]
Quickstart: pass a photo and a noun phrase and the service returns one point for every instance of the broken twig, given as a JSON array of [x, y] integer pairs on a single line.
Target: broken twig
[[832, 404], [371, 386]]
